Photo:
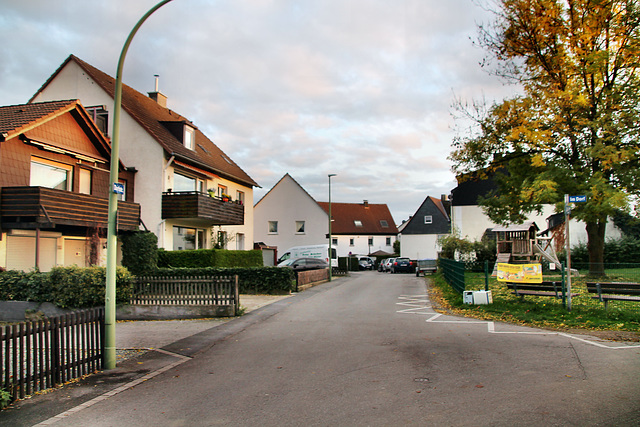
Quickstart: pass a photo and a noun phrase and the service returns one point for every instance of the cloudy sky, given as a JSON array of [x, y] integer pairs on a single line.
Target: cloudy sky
[[359, 88]]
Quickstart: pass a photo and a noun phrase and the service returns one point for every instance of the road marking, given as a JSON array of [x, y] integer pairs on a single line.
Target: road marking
[[419, 305], [181, 359]]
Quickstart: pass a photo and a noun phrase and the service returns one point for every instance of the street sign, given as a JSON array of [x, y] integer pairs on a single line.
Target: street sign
[[577, 199], [118, 188]]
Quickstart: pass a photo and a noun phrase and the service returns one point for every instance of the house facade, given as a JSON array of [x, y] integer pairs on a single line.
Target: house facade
[[419, 235], [191, 193], [468, 219], [54, 187], [361, 228], [288, 216]]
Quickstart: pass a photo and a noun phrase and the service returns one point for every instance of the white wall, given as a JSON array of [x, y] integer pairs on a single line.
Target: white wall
[[361, 245], [419, 246]]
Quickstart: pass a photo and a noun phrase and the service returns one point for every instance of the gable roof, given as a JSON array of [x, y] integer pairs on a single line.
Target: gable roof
[[370, 215], [415, 224], [150, 116], [17, 119], [285, 176]]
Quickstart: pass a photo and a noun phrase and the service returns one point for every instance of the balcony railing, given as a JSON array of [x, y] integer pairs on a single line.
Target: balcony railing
[[30, 207], [200, 206]]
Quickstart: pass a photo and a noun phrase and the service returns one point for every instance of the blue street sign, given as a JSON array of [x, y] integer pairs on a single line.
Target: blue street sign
[[118, 188], [577, 199]]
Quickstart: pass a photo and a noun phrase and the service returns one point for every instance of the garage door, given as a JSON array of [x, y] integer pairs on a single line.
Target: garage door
[[21, 253]]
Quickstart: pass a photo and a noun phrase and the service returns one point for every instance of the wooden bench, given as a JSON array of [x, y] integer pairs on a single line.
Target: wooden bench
[[614, 291], [543, 289]]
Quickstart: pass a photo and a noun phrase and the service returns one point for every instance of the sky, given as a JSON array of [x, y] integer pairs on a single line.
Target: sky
[[363, 89]]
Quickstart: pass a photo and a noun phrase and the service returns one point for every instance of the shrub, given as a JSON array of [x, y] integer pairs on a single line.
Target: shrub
[[139, 251], [257, 280], [66, 287], [203, 258]]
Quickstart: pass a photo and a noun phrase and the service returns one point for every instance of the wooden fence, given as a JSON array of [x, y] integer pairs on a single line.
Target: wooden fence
[[190, 290], [41, 354]]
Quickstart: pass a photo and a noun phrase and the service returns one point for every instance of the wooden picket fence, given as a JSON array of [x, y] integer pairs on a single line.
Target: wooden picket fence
[[189, 290], [41, 354]]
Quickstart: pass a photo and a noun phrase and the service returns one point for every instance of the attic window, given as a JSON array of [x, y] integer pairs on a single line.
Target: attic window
[[428, 219], [203, 149], [357, 223], [189, 137], [225, 158], [384, 223], [100, 116]]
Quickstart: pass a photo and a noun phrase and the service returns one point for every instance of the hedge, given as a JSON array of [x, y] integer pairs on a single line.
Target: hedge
[[205, 258], [66, 287], [139, 251], [254, 280]]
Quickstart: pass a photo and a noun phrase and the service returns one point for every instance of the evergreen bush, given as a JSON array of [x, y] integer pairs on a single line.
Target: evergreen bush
[[139, 251]]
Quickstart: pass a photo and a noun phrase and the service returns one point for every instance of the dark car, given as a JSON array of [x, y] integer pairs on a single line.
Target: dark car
[[301, 264], [401, 264]]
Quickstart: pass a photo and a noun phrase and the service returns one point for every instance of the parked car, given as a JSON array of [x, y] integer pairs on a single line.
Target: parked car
[[387, 264], [401, 264], [427, 264], [302, 264], [365, 263]]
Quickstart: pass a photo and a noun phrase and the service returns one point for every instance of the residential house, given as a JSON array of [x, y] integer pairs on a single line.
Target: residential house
[[54, 185], [419, 235], [361, 228], [469, 220], [288, 216], [192, 194]]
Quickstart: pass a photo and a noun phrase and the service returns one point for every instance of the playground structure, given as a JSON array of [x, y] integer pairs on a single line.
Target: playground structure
[[521, 243]]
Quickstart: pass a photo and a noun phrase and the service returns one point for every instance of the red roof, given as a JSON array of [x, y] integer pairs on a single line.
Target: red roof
[[16, 119], [151, 115], [360, 218]]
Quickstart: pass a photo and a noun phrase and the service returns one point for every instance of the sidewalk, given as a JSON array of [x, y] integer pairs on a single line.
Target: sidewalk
[[135, 337]]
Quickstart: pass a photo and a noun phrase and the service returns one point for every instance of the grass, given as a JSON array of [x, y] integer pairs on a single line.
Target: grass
[[546, 312]]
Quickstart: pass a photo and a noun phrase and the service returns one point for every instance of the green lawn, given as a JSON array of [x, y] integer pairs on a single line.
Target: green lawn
[[586, 312]]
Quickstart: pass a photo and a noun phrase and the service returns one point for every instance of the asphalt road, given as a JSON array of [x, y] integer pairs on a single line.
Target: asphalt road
[[370, 350]]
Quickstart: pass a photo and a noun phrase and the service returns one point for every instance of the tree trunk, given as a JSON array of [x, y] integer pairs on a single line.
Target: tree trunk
[[595, 246]]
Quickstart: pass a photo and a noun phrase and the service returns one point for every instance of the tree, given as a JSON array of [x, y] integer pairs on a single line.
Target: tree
[[575, 127]]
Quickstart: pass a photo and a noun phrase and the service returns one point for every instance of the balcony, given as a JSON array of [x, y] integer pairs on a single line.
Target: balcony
[[201, 209], [38, 207]]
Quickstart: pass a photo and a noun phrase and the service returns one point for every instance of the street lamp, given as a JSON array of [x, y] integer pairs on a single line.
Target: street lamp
[[112, 237], [330, 219]]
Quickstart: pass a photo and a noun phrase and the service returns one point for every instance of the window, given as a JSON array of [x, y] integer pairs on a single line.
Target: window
[[48, 174], [240, 242], [273, 227], [189, 137], [183, 182], [388, 241], [222, 240], [240, 197], [334, 242], [370, 241], [100, 116], [357, 222], [187, 238], [222, 189], [85, 181], [428, 219], [351, 241], [299, 227], [123, 196], [384, 223]]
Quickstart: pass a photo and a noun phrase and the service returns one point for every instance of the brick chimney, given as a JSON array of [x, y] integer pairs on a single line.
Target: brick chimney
[[366, 204], [157, 96]]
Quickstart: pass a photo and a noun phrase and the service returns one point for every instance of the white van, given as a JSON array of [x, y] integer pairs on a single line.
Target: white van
[[311, 251]]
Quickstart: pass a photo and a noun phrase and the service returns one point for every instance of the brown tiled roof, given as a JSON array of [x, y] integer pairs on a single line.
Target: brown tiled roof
[[17, 119], [150, 115], [370, 215]]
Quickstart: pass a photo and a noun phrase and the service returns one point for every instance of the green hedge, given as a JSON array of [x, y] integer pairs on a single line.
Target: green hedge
[[66, 287], [139, 251], [205, 258], [254, 280]]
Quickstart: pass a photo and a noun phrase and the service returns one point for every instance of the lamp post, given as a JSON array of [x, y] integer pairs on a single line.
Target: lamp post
[[330, 219], [112, 237]]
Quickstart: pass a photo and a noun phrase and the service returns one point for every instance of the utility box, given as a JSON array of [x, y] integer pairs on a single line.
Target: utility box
[[482, 297], [467, 297]]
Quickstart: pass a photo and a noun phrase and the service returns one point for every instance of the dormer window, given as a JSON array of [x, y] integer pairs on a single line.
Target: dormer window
[[357, 223], [189, 137]]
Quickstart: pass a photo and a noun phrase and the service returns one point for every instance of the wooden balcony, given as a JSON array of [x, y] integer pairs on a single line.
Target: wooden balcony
[[201, 208], [31, 207]]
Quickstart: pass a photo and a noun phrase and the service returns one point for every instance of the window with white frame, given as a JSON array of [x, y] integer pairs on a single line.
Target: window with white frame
[[240, 197], [388, 241], [428, 219], [273, 227], [370, 241], [182, 182], [334, 241], [352, 241], [299, 227], [357, 223], [240, 242], [185, 238], [49, 174], [189, 137], [84, 179]]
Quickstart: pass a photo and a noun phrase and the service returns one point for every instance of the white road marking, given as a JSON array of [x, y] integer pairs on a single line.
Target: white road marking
[[420, 305]]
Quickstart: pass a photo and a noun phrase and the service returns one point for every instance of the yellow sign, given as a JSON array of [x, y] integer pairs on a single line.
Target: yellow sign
[[520, 273]]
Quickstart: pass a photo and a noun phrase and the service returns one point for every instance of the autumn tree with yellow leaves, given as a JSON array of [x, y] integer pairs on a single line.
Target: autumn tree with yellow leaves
[[575, 128]]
